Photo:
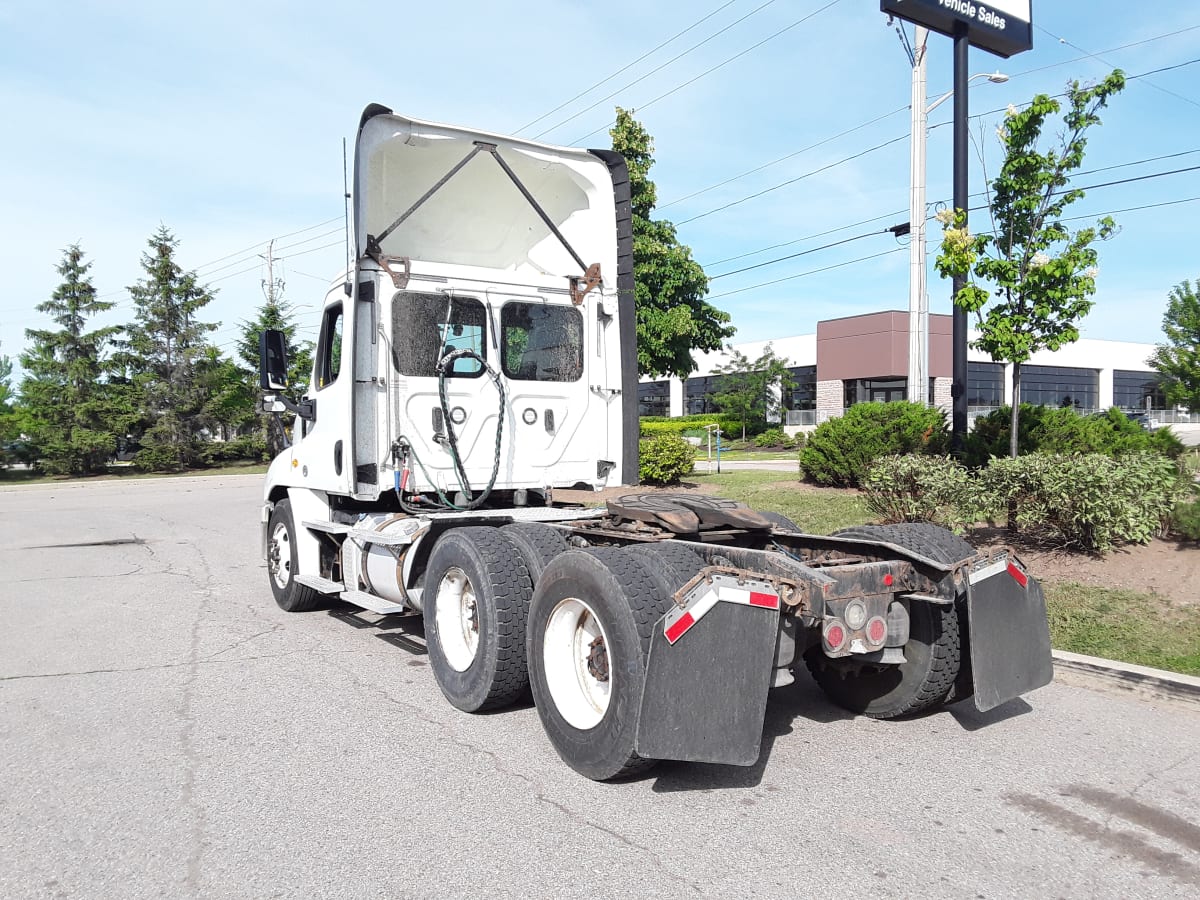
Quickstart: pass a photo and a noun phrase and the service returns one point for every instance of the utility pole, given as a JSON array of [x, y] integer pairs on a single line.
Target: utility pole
[[272, 287], [918, 300], [958, 420]]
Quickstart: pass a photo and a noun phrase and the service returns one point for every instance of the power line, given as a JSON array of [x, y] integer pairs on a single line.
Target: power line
[[806, 238], [719, 65], [776, 162], [782, 184], [628, 66], [656, 69], [804, 274], [1096, 57], [771, 262]]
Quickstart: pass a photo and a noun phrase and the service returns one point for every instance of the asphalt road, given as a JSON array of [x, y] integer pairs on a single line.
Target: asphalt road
[[167, 731]]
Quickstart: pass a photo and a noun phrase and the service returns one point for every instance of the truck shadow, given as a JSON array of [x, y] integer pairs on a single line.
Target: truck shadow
[[805, 702], [406, 632]]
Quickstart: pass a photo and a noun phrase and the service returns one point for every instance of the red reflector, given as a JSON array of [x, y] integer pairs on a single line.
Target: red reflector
[[1018, 576], [876, 630], [888, 579], [835, 636], [682, 624], [770, 601]]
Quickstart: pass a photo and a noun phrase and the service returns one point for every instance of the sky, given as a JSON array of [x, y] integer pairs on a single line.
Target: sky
[[779, 128]]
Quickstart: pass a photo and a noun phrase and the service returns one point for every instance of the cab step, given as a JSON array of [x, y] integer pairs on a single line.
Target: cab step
[[373, 603], [317, 583]]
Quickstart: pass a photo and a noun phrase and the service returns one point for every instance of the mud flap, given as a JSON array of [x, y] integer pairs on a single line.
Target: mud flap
[[705, 696], [1010, 637]]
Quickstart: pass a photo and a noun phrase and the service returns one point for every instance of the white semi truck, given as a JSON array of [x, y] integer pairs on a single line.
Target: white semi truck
[[479, 354]]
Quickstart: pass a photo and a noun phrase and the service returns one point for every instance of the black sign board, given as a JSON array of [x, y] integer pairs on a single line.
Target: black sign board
[[1003, 27]]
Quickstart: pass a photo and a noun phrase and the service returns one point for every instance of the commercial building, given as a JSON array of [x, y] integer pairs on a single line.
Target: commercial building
[[865, 358]]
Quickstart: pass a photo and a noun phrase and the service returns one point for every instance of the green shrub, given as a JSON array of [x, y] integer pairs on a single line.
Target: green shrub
[[652, 425], [665, 459], [250, 446], [1185, 521], [840, 451], [1045, 429], [775, 437], [158, 458], [915, 488], [1091, 501]]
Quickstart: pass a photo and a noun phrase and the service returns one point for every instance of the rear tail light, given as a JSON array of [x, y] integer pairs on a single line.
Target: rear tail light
[[834, 635], [876, 631]]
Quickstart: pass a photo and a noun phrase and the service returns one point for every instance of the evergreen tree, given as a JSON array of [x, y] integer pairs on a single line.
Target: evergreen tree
[[673, 318], [73, 413], [275, 313], [165, 346]]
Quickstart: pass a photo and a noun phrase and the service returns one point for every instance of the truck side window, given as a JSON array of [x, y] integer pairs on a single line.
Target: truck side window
[[540, 342], [329, 353], [426, 327]]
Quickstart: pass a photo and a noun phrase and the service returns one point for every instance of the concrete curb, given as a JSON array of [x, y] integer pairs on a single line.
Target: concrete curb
[[124, 482], [1125, 678]]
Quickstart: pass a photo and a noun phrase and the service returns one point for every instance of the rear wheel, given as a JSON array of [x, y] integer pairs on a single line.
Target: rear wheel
[[589, 635], [932, 655], [281, 563], [537, 543], [476, 601]]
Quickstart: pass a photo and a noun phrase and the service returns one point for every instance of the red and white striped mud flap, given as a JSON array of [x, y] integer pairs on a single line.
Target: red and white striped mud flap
[[708, 674], [1009, 634]]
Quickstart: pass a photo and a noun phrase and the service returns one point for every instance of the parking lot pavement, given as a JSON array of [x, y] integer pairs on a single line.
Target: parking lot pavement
[[167, 731]]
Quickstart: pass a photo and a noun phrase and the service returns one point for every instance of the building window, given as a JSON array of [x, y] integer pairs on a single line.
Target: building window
[[654, 398], [1132, 390], [1060, 386], [985, 384], [699, 393], [803, 394], [875, 390]]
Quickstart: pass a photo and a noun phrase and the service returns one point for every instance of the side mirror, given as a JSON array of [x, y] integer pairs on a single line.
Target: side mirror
[[272, 360]]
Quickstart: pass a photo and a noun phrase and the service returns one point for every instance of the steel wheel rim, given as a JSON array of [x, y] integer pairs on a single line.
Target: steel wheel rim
[[574, 643], [456, 612], [280, 560]]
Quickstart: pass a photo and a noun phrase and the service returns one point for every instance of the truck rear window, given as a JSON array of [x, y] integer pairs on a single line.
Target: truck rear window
[[426, 327], [541, 342]]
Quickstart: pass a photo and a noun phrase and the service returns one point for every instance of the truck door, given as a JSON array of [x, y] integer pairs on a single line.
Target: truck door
[[324, 456]]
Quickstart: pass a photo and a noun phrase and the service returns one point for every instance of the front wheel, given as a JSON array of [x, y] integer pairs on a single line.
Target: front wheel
[[589, 634], [281, 563]]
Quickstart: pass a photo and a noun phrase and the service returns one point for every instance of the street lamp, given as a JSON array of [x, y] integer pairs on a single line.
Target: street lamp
[[918, 301]]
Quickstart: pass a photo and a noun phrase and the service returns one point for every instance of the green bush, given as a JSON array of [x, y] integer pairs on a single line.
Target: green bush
[[158, 458], [840, 451], [775, 437], [1185, 521], [1045, 429], [653, 425], [250, 446], [915, 488], [1091, 501], [665, 459]]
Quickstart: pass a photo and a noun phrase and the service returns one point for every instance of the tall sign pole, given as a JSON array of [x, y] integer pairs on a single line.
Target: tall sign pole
[[918, 299], [1003, 27], [962, 201]]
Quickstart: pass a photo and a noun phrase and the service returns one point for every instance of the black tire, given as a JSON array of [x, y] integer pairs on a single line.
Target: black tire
[[779, 520], [491, 673], [537, 543], [941, 545], [627, 602], [281, 564], [933, 652], [671, 565]]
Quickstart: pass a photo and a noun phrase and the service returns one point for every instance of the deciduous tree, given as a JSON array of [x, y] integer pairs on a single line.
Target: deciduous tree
[[1177, 360], [752, 390], [673, 318], [1031, 279]]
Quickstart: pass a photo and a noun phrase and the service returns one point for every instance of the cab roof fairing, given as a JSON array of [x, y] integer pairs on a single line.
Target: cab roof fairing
[[478, 217]]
